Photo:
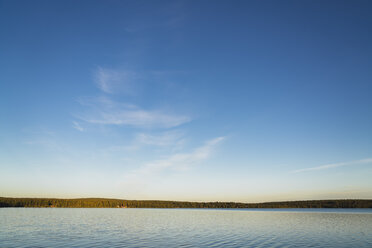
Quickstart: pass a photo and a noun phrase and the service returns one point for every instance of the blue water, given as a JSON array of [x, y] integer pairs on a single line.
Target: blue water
[[50, 227]]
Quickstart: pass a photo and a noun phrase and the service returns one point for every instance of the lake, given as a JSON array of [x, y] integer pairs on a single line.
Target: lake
[[66, 227]]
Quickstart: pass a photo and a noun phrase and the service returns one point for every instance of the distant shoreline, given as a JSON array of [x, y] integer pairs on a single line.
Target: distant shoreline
[[118, 203]]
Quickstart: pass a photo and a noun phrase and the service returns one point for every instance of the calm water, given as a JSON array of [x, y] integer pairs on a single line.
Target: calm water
[[184, 228]]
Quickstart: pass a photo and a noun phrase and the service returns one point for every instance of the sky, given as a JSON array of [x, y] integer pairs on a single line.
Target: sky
[[245, 101]]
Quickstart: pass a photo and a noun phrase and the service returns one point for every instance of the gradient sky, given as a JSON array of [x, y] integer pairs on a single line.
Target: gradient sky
[[186, 100]]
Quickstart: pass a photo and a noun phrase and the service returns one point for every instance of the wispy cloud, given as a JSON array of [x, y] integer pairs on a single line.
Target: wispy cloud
[[115, 81], [77, 126], [180, 160], [171, 15], [163, 139], [105, 111], [160, 142], [335, 165], [137, 117], [140, 180], [108, 112], [42, 138]]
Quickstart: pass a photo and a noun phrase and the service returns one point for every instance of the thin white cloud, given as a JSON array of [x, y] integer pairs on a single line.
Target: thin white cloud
[[181, 160], [112, 81], [169, 16], [45, 139], [138, 118], [168, 141], [162, 139], [107, 112], [141, 179], [77, 126], [104, 111], [335, 165]]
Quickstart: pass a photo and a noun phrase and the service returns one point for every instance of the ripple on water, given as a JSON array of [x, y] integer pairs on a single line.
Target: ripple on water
[[183, 228]]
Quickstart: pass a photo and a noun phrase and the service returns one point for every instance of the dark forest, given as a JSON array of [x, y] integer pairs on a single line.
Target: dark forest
[[115, 203]]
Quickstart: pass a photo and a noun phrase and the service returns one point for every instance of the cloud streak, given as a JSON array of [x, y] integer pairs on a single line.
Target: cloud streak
[[77, 126], [335, 165], [138, 117], [139, 180], [179, 160], [163, 139], [112, 81], [106, 112]]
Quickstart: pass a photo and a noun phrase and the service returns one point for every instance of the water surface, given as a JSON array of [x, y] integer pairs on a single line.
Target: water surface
[[66, 227]]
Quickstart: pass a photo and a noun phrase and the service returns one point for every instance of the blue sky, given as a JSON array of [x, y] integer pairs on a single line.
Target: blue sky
[[186, 100]]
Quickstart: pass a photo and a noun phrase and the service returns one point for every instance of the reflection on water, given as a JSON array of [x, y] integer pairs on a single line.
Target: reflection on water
[[31, 227]]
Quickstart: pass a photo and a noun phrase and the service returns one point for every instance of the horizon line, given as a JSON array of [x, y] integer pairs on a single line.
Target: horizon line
[[283, 201]]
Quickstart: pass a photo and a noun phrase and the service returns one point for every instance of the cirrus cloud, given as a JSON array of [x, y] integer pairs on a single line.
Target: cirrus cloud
[[181, 160], [111, 81], [107, 112], [335, 165]]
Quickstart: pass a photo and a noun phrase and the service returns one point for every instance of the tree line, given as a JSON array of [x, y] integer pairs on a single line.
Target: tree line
[[116, 203]]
